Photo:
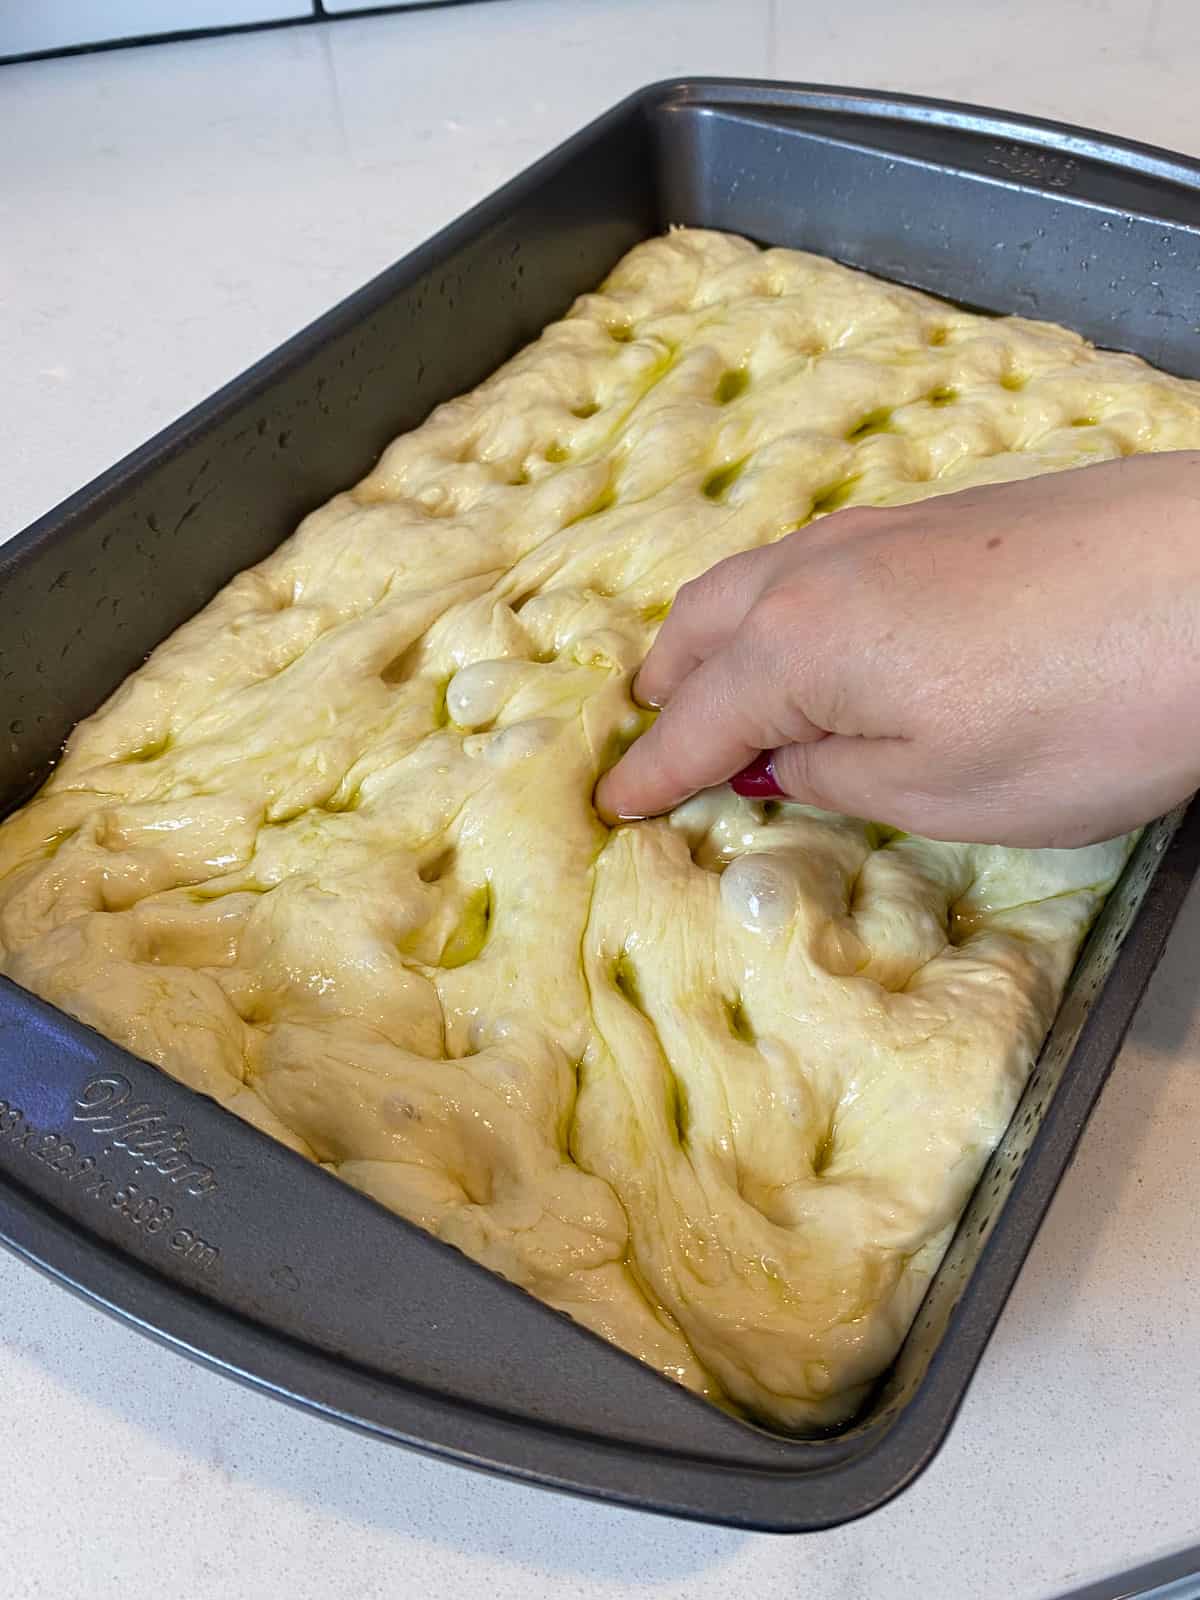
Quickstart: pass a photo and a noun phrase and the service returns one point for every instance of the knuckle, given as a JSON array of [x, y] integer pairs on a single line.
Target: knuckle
[[852, 524], [851, 518], [720, 582], [695, 593], [773, 614]]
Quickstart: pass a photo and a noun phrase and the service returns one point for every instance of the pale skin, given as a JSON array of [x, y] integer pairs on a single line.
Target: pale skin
[[1017, 664]]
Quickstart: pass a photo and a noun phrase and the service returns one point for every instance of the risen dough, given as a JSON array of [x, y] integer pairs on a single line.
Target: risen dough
[[717, 1085]]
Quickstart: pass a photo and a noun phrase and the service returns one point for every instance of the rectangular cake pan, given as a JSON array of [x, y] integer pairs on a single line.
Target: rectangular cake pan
[[151, 1200]]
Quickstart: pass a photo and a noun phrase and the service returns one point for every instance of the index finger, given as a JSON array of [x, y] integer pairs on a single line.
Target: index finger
[[704, 616], [731, 707]]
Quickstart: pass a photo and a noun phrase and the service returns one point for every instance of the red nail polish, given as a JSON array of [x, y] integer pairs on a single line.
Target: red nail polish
[[758, 780]]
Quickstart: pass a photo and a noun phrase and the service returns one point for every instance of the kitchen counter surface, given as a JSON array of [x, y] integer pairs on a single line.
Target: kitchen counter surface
[[168, 214]]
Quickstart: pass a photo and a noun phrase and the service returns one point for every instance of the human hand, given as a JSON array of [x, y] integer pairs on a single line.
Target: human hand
[[1016, 664]]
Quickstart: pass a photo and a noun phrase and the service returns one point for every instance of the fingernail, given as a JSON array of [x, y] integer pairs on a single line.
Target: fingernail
[[609, 815], [614, 819], [758, 780], [645, 699]]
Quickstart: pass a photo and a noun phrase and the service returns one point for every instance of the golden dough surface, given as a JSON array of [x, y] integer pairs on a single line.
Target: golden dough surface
[[717, 1085]]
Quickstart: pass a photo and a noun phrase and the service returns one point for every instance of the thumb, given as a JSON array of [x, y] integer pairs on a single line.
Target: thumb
[[858, 777]]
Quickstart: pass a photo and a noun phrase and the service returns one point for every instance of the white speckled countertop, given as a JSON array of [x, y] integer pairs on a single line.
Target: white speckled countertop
[[168, 214]]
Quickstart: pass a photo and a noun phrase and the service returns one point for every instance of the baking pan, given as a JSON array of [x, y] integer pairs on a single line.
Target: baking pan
[[167, 1210]]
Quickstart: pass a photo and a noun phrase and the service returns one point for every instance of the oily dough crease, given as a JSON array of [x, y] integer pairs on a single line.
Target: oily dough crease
[[717, 1085]]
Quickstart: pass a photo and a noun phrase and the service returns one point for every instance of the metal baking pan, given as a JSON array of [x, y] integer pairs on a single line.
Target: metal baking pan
[[167, 1210]]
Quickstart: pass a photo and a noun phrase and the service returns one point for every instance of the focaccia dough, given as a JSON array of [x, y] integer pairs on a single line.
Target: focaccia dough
[[717, 1085]]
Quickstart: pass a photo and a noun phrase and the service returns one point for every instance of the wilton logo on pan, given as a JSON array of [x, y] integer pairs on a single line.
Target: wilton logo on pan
[[1042, 166], [145, 1134]]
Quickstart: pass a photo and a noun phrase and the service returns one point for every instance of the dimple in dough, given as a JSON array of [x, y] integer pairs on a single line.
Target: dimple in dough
[[718, 1085]]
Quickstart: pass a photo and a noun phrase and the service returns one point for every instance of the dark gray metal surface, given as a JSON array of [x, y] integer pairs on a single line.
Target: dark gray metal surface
[[1175, 1577], [158, 1204]]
